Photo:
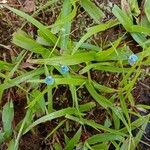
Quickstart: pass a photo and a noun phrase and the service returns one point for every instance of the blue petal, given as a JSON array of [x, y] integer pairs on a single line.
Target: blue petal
[[64, 69], [132, 59], [49, 80]]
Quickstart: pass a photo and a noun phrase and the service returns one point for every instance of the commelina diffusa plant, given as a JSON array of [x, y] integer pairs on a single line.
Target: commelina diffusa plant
[[64, 69], [132, 59], [49, 80], [79, 60]]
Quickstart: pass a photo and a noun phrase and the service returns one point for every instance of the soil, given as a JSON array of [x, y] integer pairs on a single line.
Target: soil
[[141, 94], [142, 91], [9, 23]]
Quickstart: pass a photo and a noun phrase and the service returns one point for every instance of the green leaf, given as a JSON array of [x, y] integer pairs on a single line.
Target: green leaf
[[140, 39], [94, 125], [143, 106], [126, 145], [21, 39], [72, 143], [87, 106], [134, 7], [22, 78], [74, 96], [116, 121], [7, 118], [89, 46], [139, 135], [119, 113], [123, 18], [66, 59], [99, 98], [5, 66], [51, 116], [26, 16], [66, 138], [42, 41], [72, 80], [2, 137], [108, 122], [103, 88], [56, 128], [44, 7], [140, 29], [57, 146], [11, 145], [114, 54], [135, 124], [93, 30], [92, 10], [38, 97], [99, 66], [40, 105], [147, 9], [104, 137], [103, 146], [44, 31], [143, 21], [57, 114], [22, 125], [19, 59], [66, 27], [67, 18], [47, 35]]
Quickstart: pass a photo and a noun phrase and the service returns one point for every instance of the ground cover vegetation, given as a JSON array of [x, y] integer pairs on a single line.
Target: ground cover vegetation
[[74, 74]]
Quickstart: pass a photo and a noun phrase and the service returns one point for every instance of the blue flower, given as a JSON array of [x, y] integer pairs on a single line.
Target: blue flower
[[64, 69], [49, 80], [132, 59]]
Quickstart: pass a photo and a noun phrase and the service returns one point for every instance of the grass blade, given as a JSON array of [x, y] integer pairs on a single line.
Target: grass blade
[[94, 125], [22, 78], [26, 16], [98, 138], [21, 39], [66, 28], [5, 66], [57, 114], [7, 118], [71, 144], [103, 88], [92, 10], [122, 17], [99, 99], [147, 9], [36, 23], [66, 59], [93, 30]]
